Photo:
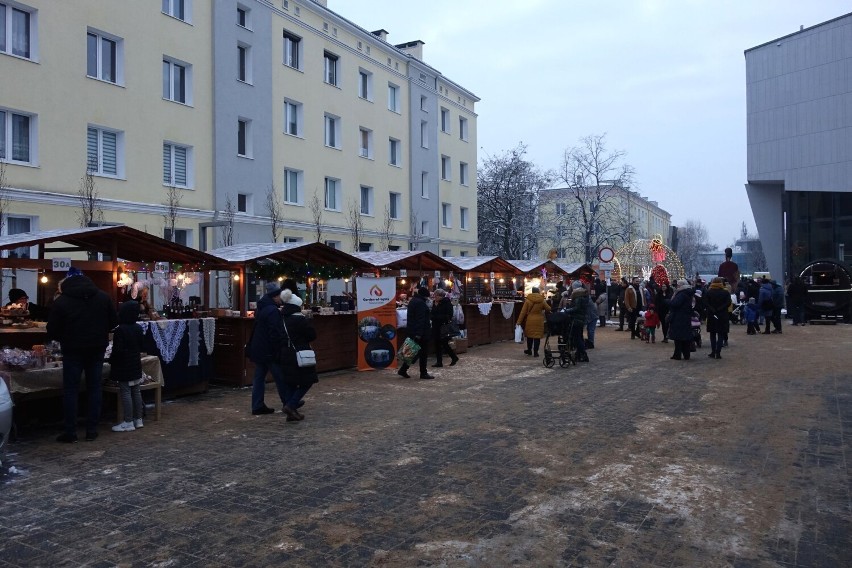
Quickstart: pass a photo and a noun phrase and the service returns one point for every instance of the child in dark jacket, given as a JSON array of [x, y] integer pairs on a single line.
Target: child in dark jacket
[[126, 365], [652, 322], [752, 316]]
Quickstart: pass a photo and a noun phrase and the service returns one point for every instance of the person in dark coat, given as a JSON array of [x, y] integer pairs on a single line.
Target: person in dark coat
[[717, 302], [267, 339], [442, 313], [81, 319], [19, 297], [664, 294], [298, 333], [126, 366], [622, 310], [680, 320], [419, 330], [797, 292], [765, 303], [777, 304], [579, 310]]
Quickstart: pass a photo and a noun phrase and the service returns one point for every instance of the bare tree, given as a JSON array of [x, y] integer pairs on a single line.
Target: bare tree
[[386, 231], [228, 214], [508, 191], [595, 211], [316, 207], [414, 231], [172, 204], [275, 210], [693, 240], [355, 224], [90, 204], [4, 196]]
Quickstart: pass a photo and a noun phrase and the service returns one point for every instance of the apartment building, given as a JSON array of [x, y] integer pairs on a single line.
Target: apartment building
[[227, 114]]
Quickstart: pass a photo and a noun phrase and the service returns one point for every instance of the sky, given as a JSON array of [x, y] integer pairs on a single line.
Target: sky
[[664, 80]]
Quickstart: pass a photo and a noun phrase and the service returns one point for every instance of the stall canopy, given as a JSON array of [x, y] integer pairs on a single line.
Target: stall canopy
[[483, 264], [315, 253], [407, 260], [572, 270], [576, 269]]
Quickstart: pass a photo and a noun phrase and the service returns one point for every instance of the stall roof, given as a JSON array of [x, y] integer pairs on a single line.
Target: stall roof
[[287, 252], [408, 260], [575, 268], [130, 244], [483, 264], [535, 265]]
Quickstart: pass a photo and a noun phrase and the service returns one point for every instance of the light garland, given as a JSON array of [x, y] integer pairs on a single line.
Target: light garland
[[273, 270]]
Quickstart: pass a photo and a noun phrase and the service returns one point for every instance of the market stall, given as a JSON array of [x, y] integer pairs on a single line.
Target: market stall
[[311, 265]]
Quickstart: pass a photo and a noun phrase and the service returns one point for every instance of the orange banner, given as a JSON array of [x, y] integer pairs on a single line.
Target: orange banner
[[376, 323]]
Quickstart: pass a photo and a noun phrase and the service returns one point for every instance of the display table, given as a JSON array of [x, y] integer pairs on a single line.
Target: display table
[[47, 382], [186, 350], [22, 338]]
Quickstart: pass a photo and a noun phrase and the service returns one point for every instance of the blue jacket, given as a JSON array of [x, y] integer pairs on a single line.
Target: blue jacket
[[762, 296], [751, 313], [268, 335]]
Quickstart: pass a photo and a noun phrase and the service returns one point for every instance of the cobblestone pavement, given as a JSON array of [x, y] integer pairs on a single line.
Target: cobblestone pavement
[[630, 460]]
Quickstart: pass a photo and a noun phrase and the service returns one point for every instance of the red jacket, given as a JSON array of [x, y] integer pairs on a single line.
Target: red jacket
[[652, 319]]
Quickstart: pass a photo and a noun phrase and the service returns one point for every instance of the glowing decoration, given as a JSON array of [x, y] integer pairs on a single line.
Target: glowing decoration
[[660, 275], [236, 277], [636, 258], [658, 251], [44, 279]]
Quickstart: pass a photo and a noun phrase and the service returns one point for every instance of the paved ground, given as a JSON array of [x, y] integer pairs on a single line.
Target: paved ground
[[630, 460]]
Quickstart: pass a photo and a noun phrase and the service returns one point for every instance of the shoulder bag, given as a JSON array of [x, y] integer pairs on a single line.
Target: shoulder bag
[[304, 357]]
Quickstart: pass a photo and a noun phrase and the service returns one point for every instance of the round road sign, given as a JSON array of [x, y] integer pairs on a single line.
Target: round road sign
[[606, 254]]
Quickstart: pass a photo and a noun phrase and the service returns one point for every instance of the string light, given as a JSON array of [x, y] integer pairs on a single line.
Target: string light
[[44, 278]]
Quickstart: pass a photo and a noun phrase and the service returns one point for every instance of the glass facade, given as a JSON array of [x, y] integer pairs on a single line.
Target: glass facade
[[817, 224]]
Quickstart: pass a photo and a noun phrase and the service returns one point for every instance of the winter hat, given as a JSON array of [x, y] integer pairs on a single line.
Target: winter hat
[[272, 289], [440, 292], [74, 271], [423, 292], [16, 294], [577, 284], [682, 285], [288, 297]]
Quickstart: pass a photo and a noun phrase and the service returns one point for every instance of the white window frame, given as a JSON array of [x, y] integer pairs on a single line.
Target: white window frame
[[446, 252], [170, 9], [365, 85], [294, 195], [247, 142], [333, 244], [424, 228], [463, 174], [445, 120], [97, 170], [7, 136], [424, 185], [365, 143], [187, 236], [31, 252], [331, 131], [332, 193], [331, 69], [293, 115], [244, 63], [189, 159], [30, 51], [395, 205], [424, 103], [169, 80], [463, 219], [463, 134], [446, 215], [293, 50], [424, 134], [395, 152], [247, 203], [367, 205], [561, 208], [446, 168], [100, 37], [245, 12], [394, 101]]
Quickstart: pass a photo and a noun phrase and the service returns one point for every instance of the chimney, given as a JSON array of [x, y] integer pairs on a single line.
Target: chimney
[[413, 48], [381, 34]]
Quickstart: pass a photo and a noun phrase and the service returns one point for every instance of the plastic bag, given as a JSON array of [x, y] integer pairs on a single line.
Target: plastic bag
[[408, 351], [519, 334], [458, 314]]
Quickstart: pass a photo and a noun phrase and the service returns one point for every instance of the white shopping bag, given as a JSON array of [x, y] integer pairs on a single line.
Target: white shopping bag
[[519, 334]]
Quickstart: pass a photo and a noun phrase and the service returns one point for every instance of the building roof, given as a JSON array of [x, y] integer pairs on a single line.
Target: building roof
[[408, 260], [573, 269], [287, 252], [482, 264], [798, 32]]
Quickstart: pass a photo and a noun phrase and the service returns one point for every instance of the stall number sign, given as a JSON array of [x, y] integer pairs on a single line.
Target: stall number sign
[[60, 264], [403, 273]]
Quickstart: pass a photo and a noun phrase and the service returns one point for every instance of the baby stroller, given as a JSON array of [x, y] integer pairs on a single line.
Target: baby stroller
[[738, 313], [640, 327], [696, 330], [559, 325]]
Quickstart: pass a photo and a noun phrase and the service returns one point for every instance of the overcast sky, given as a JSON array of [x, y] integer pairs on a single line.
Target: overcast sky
[[664, 80]]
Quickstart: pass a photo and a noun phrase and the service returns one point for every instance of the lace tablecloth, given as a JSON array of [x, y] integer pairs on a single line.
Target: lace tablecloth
[[50, 378]]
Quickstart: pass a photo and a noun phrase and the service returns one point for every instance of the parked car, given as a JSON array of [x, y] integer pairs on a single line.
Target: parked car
[[5, 418]]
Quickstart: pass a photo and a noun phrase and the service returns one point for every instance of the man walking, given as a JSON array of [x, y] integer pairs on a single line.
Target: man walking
[[418, 330], [81, 319]]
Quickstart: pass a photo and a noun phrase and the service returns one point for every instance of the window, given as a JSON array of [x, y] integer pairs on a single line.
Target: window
[[366, 142], [561, 231], [292, 118], [243, 17], [333, 244], [424, 184], [180, 9], [104, 56], [446, 167], [244, 145], [446, 252], [424, 103], [244, 63], [561, 252], [393, 98], [366, 200], [463, 219], [292, 50], [424, 228], [365, 247], [561, 209], [395, 152], [463, 173], [16, 226], [445, 120], [17, 137], [462, 253], [332, 131], [293, 187], [463, 128], [424, 134], [16, 30], [242, 202], [177, 81], [104, 152], [331, 63], [446, 215], [332, 194], [181, 236], [395, 205], [177, 165], [365, 85]]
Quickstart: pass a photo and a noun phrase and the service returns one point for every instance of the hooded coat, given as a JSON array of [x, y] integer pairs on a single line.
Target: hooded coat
[[298, 334], [580, 304], [680, 314], [717, 300], [81, 317], [418, 317], [268, 334], [532, 315], [127, 339]]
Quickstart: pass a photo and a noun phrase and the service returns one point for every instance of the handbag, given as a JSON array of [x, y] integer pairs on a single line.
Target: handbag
[[450, 329], [304, 357], [408, 351]]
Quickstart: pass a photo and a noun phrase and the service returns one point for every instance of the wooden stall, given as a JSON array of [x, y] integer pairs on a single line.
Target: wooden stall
[[307, 264]]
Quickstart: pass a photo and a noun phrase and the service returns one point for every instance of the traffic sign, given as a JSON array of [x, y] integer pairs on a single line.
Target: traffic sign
[[606, 254], [606, 266]]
